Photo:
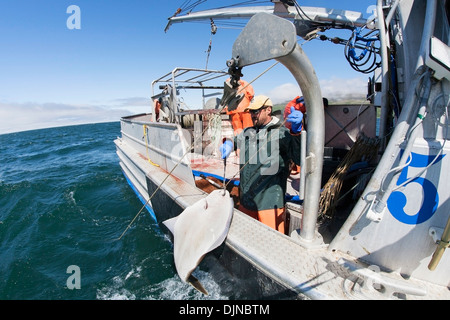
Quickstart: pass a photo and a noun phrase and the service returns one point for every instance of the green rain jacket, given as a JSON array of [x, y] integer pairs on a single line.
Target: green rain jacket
[[268, 151]]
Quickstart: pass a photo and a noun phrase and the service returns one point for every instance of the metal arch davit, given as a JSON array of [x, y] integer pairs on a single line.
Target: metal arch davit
[[267, 37]]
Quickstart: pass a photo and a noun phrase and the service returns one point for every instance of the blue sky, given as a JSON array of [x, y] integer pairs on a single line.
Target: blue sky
[[51, 75]]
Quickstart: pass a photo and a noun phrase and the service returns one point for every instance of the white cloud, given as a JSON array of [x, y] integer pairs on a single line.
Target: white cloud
[[343, 88], [133, 102], [333, 88], [28, 116], [284, 92]]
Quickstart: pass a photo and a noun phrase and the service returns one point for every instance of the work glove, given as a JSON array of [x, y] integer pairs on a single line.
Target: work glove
[[295, 118], [226, 148]]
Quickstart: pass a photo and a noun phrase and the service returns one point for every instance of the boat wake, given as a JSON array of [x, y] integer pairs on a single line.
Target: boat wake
[[173, 288]]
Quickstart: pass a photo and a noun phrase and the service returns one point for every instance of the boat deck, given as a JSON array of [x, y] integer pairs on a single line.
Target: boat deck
[[317, 273], [215, 167]]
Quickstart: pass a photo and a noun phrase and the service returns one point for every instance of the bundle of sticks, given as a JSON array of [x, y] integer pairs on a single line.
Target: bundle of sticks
[[364, 149]]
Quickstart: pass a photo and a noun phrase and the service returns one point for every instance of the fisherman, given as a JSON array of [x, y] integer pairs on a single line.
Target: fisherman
[[299, 104], [266, 151], [239, 118], [157, 107], [160, 115]]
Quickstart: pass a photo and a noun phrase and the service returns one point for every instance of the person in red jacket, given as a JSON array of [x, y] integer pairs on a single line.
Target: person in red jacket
[[239, 118], [299, 104]]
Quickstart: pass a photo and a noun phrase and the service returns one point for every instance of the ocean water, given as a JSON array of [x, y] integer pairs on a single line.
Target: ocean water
[[63, 203]]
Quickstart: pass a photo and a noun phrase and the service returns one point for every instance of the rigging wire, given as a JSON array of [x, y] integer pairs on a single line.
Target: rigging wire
[[300, 11], [213, 32], [364, 62], [244, 3], [187, 7]]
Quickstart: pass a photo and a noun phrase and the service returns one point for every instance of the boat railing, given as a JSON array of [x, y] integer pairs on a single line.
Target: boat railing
[[203, 80]]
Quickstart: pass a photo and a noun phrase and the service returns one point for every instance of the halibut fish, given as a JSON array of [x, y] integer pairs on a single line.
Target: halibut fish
[[199, 229]]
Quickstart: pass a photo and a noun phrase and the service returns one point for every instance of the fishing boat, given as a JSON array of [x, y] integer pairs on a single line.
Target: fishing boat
[[369, 213]]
